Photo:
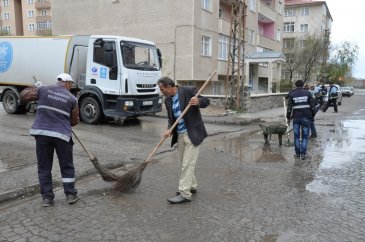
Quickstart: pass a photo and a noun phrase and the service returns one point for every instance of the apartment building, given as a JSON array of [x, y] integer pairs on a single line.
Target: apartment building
[[26, 17], [303, 18], [193, 35]]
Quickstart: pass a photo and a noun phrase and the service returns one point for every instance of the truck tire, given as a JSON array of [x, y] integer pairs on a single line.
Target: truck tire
[[90, 110], [11, 104]]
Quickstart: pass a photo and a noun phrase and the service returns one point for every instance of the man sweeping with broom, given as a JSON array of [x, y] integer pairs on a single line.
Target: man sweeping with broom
[[188, 134]]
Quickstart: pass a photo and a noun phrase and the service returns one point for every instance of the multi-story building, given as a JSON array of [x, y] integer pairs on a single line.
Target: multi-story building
[[26, 17], [193, 35], [303, 18]]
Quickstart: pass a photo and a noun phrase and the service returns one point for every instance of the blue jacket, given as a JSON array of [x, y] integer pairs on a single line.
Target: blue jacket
[[301, 104]]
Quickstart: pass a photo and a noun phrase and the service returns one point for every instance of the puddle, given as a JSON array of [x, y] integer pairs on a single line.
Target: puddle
[[247, 148], [342, 149]]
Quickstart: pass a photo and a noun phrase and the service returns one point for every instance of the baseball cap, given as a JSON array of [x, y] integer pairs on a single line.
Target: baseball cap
[[65, 77]]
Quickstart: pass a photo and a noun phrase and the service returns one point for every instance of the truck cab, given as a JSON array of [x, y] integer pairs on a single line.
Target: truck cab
[[120, 80]]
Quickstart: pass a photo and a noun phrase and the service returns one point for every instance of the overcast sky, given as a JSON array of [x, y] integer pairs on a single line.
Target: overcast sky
[[348, 25]]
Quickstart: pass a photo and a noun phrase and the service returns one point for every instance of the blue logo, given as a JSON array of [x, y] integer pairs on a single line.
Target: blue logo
[[94, 70], [6, 56]]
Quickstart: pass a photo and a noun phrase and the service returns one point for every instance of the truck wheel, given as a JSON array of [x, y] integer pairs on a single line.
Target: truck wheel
[[11, 104], [90, 111]]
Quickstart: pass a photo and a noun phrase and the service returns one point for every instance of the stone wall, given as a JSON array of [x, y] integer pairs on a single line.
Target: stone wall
[[254, 102]]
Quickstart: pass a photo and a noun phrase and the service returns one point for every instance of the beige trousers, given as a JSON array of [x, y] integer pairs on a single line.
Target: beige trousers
[[188, 155]]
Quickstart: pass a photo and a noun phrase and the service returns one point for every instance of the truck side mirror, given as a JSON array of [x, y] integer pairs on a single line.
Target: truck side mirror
[[159, 57]]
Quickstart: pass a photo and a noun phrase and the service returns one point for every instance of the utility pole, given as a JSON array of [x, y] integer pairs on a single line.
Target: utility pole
[[236, 64]]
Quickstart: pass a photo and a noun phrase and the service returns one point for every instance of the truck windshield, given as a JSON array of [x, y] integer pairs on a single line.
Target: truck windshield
[[139, 56]]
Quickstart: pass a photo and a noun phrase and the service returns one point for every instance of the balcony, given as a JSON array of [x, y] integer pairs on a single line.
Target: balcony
[[43, 5], [44, 32], [43, 18], [266, 13], [268, 43], [224, 26]]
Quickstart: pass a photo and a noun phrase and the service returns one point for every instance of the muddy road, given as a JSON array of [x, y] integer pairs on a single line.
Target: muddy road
[[248, 191]]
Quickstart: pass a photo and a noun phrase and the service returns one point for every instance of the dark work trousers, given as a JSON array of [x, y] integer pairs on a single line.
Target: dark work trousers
[[45, 147], [334, 102]]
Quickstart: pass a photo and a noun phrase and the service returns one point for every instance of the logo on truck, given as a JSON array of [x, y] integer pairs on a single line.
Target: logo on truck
[[6, 56]]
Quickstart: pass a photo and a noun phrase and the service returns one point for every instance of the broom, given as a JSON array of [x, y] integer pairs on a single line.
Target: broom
[[132, 178], [106, 175], [287, 125]]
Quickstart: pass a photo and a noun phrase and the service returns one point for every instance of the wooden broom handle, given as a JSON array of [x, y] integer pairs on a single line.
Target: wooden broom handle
[[82, 145], [180, 117]]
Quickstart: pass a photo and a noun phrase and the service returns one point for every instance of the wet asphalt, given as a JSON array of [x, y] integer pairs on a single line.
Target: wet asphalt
[[247, 191]]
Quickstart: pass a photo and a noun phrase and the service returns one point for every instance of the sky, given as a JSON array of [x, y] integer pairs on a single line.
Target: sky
[[348, 25]]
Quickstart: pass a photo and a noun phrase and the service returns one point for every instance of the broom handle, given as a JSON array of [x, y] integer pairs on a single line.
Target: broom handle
[[286, 120], [180, 117], [82, 145]]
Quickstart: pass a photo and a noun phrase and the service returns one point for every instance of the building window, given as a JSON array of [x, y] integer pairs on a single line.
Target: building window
[[30, 13], [217, 88], [206, 45], [44, 25], [278, 34], [304, 11], [6, 4], [44, 12], [31, 27], [289, 12], [30, 1], [285, 75], [304, 28], [252, 5], [207, 5], [279, 7], [251, 37], [220, 13], [289, 27], [6, 29], [223, 45], [288, 43], [6, 16]]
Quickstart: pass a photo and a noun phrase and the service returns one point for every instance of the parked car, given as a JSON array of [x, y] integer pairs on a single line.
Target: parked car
[[339, 94], [347, 91]]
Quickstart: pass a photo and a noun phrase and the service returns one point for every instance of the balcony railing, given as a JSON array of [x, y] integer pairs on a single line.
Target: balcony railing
[[43, 18], [269, 43], [267, 11], [224, 26], [43, 5]]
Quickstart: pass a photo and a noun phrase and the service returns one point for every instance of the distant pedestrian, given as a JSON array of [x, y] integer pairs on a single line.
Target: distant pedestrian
[[332, 98], [188, 134], [301, 104], [57, 111]]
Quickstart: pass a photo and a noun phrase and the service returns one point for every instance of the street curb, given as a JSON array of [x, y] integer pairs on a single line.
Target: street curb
[[33, 189]]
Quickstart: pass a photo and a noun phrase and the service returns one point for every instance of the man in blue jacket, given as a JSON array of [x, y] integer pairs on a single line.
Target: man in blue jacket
[[332, 98], [188, 134], [57, 111], [301, 106]]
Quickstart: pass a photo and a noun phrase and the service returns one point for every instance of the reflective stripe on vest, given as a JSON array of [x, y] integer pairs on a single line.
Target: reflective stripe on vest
[[301, 106], [53, 109]]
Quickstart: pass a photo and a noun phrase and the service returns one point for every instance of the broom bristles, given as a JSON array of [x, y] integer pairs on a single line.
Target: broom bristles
[[105, 174], [129, 181]]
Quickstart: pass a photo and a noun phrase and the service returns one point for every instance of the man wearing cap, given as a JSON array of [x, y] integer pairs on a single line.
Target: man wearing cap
[[57, 111]]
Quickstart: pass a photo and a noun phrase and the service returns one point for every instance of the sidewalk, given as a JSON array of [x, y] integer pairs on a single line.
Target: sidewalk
[[13, 188]]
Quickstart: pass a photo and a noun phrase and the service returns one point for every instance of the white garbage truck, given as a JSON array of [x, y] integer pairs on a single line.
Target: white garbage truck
[[116, 77]]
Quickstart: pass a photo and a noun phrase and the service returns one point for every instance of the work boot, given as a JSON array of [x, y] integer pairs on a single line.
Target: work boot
[[47, 202], [71, 198], [178, 199], [313, 136], [303, 156]]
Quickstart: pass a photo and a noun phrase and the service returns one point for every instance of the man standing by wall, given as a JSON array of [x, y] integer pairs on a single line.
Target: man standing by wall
[[57, 111], [301, 105], [189, 133]]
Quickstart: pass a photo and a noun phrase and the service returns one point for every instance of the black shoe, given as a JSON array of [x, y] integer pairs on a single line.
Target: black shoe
[[193, 191], [178, 199], [303, 157], [47, 202], [71, 199], [313, 136]]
